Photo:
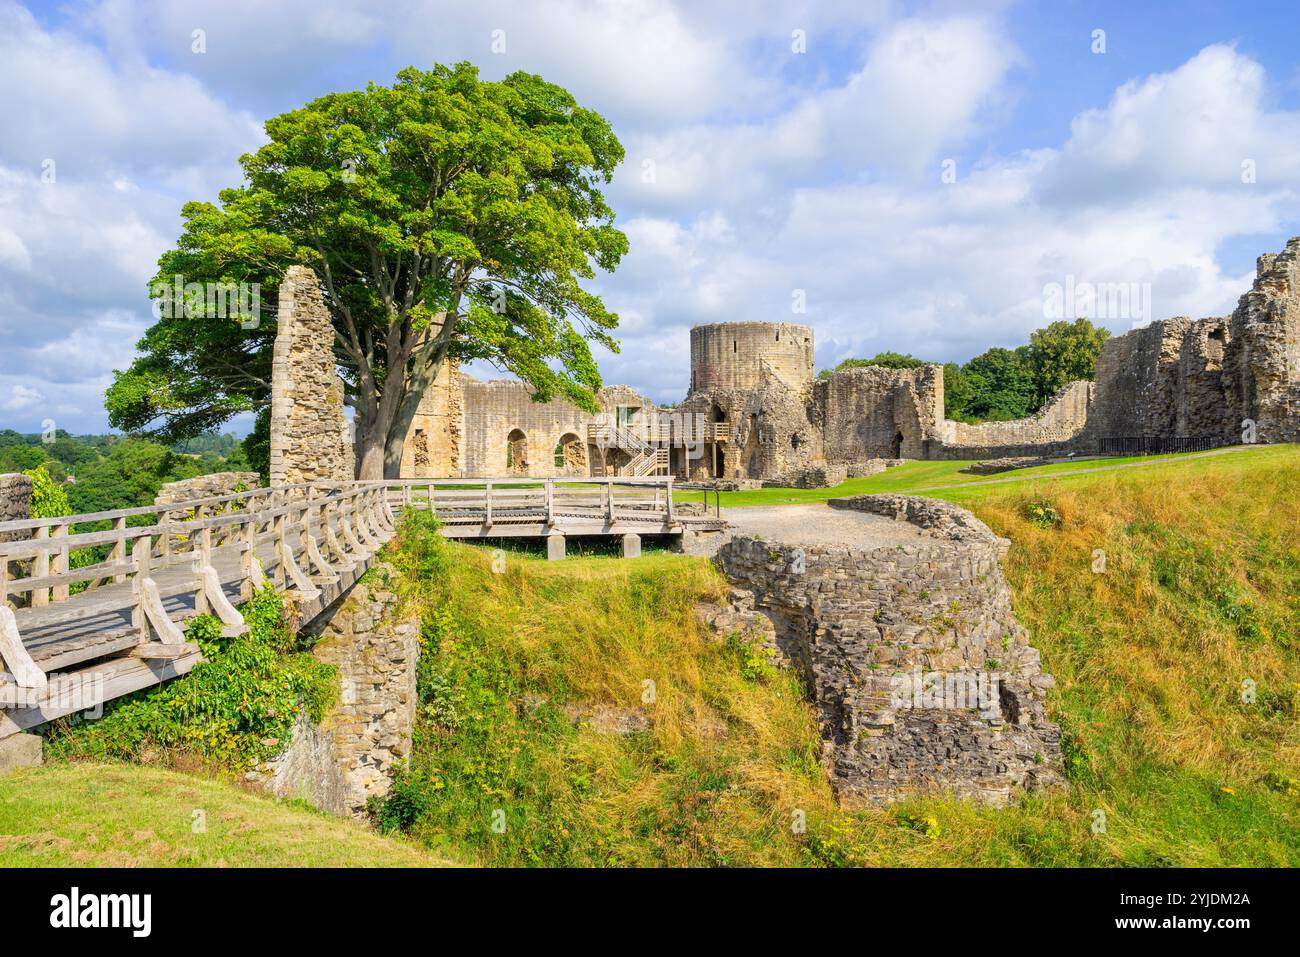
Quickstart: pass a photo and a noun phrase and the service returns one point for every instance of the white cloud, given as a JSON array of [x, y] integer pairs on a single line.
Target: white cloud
[[21, 397], [772, 172]]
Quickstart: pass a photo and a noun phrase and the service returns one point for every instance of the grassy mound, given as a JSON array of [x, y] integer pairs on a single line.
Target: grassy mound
[[573, 713], [119, 815]]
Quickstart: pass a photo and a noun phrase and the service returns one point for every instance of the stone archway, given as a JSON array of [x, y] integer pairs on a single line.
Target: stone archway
[[517, 453], [716, 457], [570, 455], [896, 447]]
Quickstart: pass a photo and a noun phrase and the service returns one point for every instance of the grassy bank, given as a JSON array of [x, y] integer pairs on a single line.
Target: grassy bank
[[1152, 657], [924, 477], [121, 815]]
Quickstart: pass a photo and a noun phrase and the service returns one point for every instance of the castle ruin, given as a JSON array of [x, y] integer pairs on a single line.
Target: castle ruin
[[755, 411]]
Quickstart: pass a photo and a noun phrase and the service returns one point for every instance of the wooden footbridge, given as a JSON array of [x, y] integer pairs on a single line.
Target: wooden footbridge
[[75, 634]]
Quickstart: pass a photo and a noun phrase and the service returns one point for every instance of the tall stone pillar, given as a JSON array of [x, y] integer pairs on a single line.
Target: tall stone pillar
[[308, 428]]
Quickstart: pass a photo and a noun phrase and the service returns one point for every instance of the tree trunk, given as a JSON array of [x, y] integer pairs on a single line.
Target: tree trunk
[[370, 454], [413, 395]]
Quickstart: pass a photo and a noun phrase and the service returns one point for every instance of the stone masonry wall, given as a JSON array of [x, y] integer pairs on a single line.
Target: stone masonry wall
[[736, 355], [15, 501], [376, 649], [1055, 426], [865, 626], [1263, 358], [435, 440], [308, 427], [206, 486], [873, 412], [497, 409]]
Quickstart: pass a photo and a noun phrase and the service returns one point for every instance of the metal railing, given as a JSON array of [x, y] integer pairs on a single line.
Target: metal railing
[[1158, 445]]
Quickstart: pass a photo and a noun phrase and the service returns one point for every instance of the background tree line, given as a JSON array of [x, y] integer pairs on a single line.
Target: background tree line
[[98, 473]]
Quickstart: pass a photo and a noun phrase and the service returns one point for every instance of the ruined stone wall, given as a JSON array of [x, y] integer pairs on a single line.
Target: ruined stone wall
[[15, 502], [1055, 426], [376, 649], [206, 486], [308, 427], [1165, 379], [499, 412], [863, 627], [772, 435], [1263, 356], [872, 412], [736, 355], [437, 433]]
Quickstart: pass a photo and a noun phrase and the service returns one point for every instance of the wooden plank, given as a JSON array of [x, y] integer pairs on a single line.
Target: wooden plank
[[162, 650]]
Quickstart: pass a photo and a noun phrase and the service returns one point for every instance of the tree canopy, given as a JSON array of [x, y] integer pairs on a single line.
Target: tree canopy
[[446, 217]]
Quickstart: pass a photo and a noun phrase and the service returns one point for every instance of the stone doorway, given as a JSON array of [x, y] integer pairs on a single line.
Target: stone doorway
[[517, 453]]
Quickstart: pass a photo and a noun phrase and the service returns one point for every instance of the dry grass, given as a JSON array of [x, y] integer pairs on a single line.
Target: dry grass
[[1198, 595]]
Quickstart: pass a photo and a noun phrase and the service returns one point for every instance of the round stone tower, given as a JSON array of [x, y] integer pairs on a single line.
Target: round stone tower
[[734, 355]]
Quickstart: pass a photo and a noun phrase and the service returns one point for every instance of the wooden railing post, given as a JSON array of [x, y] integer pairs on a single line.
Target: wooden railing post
[[118, 554], [41, 568], [487, 500], [61, 563], [142, 553], [550, 502]]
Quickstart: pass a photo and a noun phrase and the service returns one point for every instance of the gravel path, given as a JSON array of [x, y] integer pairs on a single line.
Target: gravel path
[[819, 524]]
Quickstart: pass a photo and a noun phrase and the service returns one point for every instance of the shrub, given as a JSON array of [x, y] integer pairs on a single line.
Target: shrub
[[237, 708]]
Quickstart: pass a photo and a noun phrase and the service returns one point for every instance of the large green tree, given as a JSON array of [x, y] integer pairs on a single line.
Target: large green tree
[[1002, 385], [445, 216], [1062, 353]]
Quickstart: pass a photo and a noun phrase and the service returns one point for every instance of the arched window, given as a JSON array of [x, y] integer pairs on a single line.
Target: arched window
[[571, 454], [517, 452]]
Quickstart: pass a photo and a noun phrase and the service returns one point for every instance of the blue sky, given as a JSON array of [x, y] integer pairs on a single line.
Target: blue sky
[[775, 172]]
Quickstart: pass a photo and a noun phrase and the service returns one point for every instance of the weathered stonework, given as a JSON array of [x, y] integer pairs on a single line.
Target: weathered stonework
[[753, 389], [308, 427], [15, 501], [307, 769], [436, 436], [860, 624], [206, 486], [376, 648], [1054, 427]]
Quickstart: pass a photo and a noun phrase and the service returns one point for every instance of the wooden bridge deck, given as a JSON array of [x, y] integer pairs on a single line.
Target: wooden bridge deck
[[65, 652]]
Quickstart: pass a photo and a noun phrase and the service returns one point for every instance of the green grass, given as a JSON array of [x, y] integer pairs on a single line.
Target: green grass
[[120, 815], [1199, 595], [914, 476]]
